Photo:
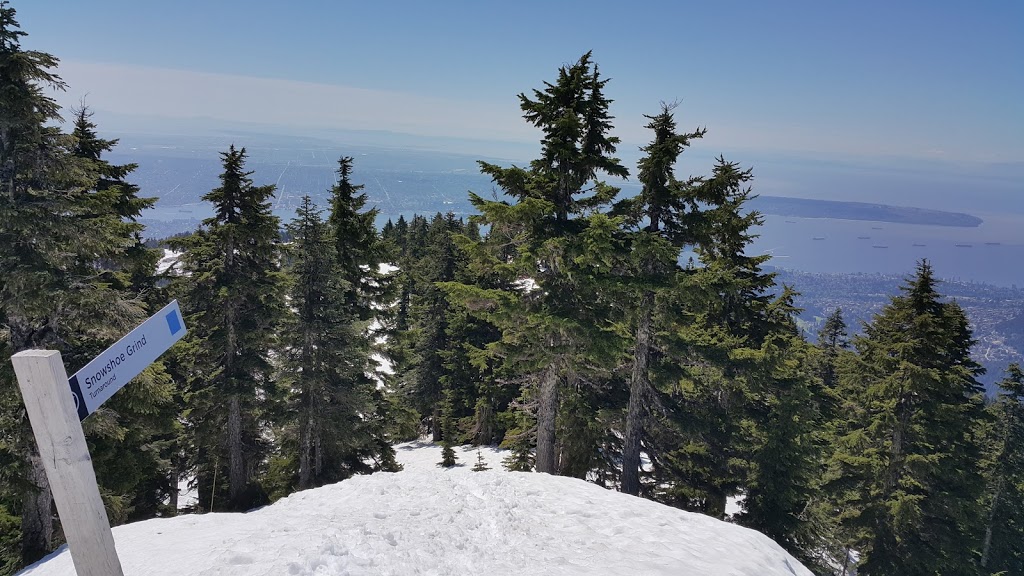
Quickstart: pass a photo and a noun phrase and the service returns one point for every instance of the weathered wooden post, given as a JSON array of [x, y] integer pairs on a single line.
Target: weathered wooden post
[[51, 410]]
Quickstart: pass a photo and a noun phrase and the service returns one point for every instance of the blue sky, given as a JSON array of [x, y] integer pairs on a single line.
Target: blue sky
[[929, 81]]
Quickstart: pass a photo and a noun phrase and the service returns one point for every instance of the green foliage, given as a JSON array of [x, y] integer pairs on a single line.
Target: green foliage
[[321, 365], [1003, 544], [72, 273], [519, 440], [552, 238], [569, 330], [448, 457], [481, 464], [234, 301], [355, 241], [907, 465], [10, 542]]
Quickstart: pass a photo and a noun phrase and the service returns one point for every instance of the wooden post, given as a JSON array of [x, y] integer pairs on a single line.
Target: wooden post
[[51, 411]]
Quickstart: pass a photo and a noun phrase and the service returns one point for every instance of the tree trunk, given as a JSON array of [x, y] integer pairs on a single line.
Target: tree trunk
[[896, 453], [175, 480], [714, 506], [638, 390], [986, 547], [36, 512], [306, 454], [237, 481], [484, 426], [435, 423], [308, 415], [547, 410]]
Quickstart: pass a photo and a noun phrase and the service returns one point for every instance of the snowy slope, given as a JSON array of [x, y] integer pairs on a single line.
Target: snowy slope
[[425, 520]]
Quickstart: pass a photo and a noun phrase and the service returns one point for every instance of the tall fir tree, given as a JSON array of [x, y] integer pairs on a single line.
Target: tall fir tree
[[366, 293], [66, 266], [133, 436], [785, 455], [552, 230], [317, 338], [355, 242], [234, 297], [660, 222], [911, 464], [1002, 548], [725, 298]]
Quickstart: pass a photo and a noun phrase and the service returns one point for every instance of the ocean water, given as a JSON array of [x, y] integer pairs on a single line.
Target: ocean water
[[406, 183], [992, 253]]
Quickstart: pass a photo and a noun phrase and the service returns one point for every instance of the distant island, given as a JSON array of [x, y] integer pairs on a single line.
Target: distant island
[[806, 208]]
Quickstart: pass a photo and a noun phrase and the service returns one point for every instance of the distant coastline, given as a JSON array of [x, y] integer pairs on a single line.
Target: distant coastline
[[806, 208]]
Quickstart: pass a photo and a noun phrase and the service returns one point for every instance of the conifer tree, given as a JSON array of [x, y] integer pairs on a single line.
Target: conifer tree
[[31, 256], [234, 298], [1003, 544], [481, 464], [365, 294], [911, 464], [66, 235], [448, 457], [321, 409], [661, 221], [446, 365], [705, 456], [833, 341], [355, 241], [132, 437], [785, 456], [549, 332]]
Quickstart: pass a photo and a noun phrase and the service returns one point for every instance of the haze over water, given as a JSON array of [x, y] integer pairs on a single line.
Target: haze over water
[[991, 253]]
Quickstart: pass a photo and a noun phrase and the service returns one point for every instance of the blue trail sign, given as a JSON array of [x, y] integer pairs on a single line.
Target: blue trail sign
[[111, 370]]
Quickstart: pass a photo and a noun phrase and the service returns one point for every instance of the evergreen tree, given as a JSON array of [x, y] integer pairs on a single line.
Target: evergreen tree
[[1002, 549], [446, 366], [833, 341], [911, 465], [552, 230], [785, 459], [481, 464], [725, 298], [68, 259], [132, 438], [365, 292], [838, 410], [661, 221], [448, 457], [234, 298], [355, 241], [322, 407]]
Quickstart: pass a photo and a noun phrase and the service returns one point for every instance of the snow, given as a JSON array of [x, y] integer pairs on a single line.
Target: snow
[[525, 285], [432, 521], [188, 496], [170, 258]]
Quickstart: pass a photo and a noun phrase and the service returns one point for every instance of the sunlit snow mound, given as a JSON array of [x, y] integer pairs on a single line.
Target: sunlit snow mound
[[426, 520]]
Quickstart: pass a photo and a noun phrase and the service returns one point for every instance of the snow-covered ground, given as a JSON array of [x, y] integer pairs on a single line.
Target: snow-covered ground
[[427, 520], [170, 258]]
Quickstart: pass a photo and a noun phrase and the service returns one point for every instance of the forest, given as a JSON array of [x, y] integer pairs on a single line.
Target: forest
[[561, 323]]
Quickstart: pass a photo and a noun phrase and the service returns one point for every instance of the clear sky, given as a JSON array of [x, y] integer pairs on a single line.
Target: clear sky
[[923, 80]]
